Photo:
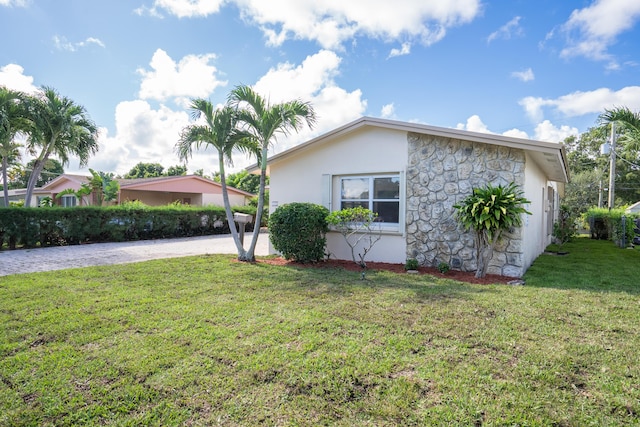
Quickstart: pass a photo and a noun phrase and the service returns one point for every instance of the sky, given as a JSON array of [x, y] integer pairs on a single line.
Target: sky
[[537, 69]]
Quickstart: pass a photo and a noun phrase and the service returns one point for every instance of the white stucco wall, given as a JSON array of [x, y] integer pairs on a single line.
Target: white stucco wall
[[535, 226], [299, 178]]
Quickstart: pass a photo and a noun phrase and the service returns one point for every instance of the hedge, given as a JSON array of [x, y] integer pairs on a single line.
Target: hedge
[[30, 227], [607, 224]]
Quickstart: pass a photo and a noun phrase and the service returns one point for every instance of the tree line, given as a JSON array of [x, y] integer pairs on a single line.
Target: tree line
[[53, 126], [589, 167]]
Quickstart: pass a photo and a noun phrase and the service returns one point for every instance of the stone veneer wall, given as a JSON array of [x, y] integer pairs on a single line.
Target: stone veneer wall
[[441, 173]]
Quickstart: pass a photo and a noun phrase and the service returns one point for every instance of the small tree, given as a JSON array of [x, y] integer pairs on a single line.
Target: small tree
[[357, 226], [298, 231], [565, 227], [489, 212]]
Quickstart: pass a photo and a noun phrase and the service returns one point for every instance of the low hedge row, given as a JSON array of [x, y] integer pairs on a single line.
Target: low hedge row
[[30, 227], [608, 225]]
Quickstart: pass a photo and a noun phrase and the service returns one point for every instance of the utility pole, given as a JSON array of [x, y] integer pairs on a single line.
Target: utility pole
[[600, 193], [612, 166]]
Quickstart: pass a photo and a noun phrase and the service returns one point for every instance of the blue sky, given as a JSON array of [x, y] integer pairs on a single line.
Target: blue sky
[[539, 69]]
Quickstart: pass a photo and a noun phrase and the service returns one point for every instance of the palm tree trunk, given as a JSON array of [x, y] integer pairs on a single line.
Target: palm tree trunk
[[33, 179], [242, 254], [5, 189], [256, 228]]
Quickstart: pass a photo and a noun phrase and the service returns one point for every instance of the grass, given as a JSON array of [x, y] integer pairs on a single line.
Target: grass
[[209, 341]]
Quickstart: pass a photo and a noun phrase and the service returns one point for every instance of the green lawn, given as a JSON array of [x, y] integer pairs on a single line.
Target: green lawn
[[209, 341]]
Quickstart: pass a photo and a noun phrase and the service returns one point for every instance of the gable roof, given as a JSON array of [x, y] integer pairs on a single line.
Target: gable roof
[[550, 157], [146, 184]]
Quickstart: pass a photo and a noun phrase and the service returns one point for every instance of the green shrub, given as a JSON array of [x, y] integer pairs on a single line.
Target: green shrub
[[443, 267], [411, 264], [564, 229], [608, 224], [298, 231], [31, 227]]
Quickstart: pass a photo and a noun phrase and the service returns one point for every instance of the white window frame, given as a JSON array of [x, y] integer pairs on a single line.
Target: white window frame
[[65, 201], [384, 226]]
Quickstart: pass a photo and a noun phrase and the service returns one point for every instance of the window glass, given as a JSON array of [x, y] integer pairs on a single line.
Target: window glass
[[380, 194], [355, 188], [386, 188], [387, 211], [68, 201]]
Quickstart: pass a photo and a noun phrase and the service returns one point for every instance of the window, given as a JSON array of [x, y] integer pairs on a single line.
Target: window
[[68, 201], [378, 193]]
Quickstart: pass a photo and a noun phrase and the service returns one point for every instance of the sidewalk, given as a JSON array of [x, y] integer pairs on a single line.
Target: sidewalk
[[62, 257]]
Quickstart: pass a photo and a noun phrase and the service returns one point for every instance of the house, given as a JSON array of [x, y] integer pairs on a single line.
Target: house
[[412, 175], [158, 191], [634, 208]]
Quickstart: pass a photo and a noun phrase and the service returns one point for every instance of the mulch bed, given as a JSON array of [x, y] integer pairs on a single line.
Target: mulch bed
[[461, 276]]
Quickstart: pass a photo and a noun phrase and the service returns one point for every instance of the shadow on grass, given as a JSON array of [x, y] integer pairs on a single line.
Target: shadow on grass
[[341, 282], [590, 265]]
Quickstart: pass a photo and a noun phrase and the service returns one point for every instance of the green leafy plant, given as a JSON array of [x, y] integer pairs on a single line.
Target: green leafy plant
[[564, 229], [357, 226], [443, 267], [489, 211], [298, 231], [411, 264]]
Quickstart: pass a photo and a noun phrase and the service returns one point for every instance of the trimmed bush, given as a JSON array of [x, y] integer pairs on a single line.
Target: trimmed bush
[[608, 224], [71, 226], [298, 231]]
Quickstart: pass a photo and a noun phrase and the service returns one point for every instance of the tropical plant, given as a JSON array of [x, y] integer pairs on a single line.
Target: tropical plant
[[219, 132], [80, 193], [490, 211], [564, 229], [61, 128], [13, 119], [298, 231], [264, 121], [630, 122], [358, 227]]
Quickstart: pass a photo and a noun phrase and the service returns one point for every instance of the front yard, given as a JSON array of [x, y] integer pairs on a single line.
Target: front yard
[[210, 341]]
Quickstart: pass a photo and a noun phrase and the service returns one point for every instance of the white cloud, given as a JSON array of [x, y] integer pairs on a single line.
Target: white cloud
[[581, 103], [516, 133], [61, 43], [388, 111], [404, 50], [508, 30], [544, 131], [591, 30], [526, 75], [331, 22], [17, 3], [192, 77], [12, 76], [183, 8], [547, 131], [313, 81], [474, 124], [143, 134]]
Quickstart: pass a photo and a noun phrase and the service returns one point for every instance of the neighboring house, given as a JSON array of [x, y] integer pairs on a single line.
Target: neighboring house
[[188, 189], [634, 208], [412, 175]]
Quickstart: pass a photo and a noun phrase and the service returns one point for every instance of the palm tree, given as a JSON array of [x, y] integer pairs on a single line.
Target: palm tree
[[264, 122], [629, 121], [218, 131], [12, 120], [61, 128]]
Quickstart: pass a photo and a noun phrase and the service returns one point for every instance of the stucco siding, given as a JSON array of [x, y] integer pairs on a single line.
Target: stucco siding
[[536, 225], [299, 178]]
